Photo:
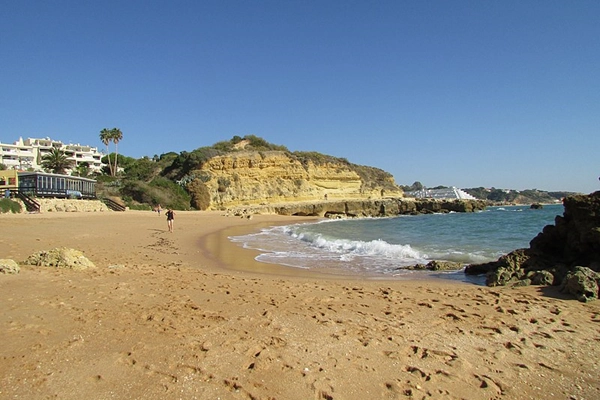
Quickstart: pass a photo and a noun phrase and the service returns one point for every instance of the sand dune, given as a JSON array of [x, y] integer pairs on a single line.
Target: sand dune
[[166, 316]]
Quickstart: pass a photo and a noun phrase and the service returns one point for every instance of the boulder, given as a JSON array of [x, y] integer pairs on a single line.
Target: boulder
[[8, 266], [60, 257], [544, 278], [583, 283]]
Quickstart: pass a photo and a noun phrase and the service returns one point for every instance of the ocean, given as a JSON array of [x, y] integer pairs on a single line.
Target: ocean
[[382, 248]]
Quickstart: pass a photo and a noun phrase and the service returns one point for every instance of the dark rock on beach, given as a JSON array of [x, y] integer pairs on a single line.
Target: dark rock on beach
[[582, 283], [437, 266], [566, 253]]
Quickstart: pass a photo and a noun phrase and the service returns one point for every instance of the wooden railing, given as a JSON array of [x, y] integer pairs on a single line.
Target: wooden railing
[[113, 205], [30, 204]]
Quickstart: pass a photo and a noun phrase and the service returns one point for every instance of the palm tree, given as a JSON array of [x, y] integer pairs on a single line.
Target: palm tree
[[83, 169], [106, 137], [56, 161], [116, 135]]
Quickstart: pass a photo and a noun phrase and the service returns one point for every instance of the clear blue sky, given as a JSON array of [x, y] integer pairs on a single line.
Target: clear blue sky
[[463, 93]]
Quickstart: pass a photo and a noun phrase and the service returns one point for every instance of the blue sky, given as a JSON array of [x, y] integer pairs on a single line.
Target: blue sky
[[462, 93]]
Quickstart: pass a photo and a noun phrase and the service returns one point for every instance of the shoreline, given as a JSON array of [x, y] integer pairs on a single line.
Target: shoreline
[[233, 257], [164, 316]]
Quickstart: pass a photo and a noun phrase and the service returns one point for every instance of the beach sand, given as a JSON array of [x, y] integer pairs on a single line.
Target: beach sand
[[165, 316]]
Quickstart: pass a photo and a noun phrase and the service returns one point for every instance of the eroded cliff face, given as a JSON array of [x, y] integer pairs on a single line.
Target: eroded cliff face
[[270, 177]]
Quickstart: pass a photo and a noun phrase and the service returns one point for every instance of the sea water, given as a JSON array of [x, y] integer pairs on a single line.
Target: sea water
[[383, 247]]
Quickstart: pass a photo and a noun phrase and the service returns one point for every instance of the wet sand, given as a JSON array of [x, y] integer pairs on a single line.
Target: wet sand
[[190, 315]]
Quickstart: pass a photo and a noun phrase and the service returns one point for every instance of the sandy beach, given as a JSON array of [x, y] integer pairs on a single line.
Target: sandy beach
[[189, 315]]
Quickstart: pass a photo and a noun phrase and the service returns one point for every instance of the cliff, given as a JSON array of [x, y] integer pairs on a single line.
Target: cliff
[[244, 178]]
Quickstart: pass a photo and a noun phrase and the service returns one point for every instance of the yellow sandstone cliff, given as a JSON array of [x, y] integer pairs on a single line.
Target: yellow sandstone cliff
[[272, 177]]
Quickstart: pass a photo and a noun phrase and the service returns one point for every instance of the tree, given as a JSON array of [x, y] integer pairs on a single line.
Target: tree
[[142, 169], [111, 135], [56, 161], [116, 136], [82, 169], [105, 137]]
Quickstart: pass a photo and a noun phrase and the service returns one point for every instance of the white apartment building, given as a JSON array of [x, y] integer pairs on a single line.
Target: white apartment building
[[27, 154], [451, 193]]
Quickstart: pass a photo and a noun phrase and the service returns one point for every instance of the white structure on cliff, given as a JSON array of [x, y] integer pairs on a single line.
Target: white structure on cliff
[[451, 193], [27, 154]]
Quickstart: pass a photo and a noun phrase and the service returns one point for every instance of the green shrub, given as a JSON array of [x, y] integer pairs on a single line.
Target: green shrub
[[7, 205], [140, 207], [200, 194], [160, 191]]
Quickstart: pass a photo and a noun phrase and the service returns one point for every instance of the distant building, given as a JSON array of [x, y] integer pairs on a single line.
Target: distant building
[[450, 193], [8, 180], [27, 154]]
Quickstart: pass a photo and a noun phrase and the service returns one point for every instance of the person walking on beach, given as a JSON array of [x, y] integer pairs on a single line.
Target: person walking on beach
[[170, 217]]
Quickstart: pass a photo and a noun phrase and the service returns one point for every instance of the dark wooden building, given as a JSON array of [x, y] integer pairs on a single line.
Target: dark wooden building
[[42, 184]]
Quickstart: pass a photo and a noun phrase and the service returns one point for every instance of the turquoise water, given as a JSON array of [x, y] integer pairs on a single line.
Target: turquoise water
[[383, 247]]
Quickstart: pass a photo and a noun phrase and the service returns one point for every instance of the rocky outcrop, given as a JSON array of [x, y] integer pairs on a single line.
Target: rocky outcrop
[[248, 178], [60, 257], [360, 208], [8, 266], [68, 205], [562, 253]]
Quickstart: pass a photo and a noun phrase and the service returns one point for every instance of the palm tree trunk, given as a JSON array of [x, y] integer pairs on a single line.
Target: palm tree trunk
[[116, 156], [110, 167]]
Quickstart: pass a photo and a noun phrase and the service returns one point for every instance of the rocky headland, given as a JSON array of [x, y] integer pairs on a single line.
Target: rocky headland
[[250, 178], [566, 254], [359, 208], [247, 180]]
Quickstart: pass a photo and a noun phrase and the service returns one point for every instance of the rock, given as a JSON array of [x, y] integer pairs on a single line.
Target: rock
[[556, 253], [583, 283], [275, 181], [500, 277], [352, 208], [247, 177], [71, 205], [436, 266], [544, 278], [481, 269], [522, 282], [508, 269], [8, 266], [444, 265], [61, 257], [536, 206]]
